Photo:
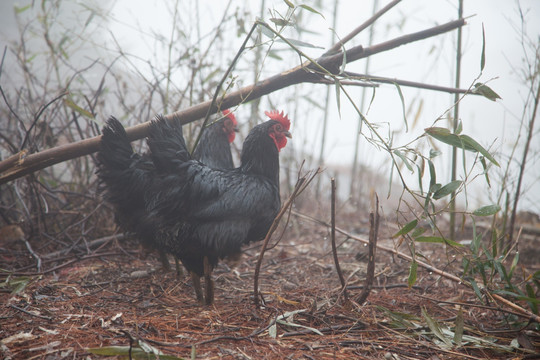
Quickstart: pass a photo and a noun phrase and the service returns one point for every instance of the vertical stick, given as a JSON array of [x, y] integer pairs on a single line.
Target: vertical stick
[[333, 236], [373, 235], [455, 126]]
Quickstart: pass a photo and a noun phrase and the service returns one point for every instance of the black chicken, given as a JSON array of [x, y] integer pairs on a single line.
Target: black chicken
[[127, 177], [205, 214]]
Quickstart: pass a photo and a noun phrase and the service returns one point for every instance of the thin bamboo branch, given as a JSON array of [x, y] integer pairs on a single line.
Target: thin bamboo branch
[[523, 162], [19, 164], [360, 28], [408, 83], [372, 249], [333, 238], [455, 127]]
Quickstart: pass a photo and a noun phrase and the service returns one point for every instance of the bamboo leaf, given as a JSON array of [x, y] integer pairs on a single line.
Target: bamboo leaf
[[487, 210], [281, 22], [412, 274], [418, 231], [459, 128], [299, 43], [484, 166], [432, 175], [470, 143], [289, 4], [437, 240], [407, 228], [136, 352], [447, 189], [404, 159], [532, 295], [476, 289], [78, 109], [435, 328], [267, 32], [485, 91], [274, 55], [483, 56], [309, 8], [19, 10], [338, 97], [402, 106], [445, 136]]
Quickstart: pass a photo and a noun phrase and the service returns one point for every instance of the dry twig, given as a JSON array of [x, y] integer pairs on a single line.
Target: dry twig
[[373, 235], [333, 237]]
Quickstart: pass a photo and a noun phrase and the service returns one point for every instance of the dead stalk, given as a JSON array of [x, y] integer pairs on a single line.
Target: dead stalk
[[372, 249], [333, 237]]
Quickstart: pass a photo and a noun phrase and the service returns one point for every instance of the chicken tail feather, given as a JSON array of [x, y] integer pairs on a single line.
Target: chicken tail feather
[[167, 144]]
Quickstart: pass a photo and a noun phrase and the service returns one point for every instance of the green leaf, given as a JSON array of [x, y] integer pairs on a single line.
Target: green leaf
[[434, 153], [299, 43], [485, 91], [309, 8], [483, 56], [281, 22], [407, 228], [487, 210], [470, 143], [532, 295], [402, 106], [78, 109], [432, 175], [437, 240], [420, 175], [267, 32], [412, 274], [136, 352], [338, 97], [445, 136], [435, 328], [274, 55], [19, 10], [404, 159], [484, 166], [459, 128], [476, 290], [343, 61], [418, 231], [289, 4], [447, 189]]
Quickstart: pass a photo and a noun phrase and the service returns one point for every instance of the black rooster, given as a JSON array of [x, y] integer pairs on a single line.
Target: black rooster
[[127, 177], [205, 214]]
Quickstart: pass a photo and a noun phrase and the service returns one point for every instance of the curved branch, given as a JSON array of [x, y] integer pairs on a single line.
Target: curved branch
[[20, 164]]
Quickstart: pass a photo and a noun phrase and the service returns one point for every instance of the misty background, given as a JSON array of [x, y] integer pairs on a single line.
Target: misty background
[[177, 51]]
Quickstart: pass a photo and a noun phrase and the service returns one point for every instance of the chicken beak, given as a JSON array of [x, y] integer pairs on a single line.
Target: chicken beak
[[287, 134], [235, 129]]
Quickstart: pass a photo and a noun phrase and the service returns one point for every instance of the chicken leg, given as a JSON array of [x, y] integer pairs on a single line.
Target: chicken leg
[[196, 281], [208, 282]]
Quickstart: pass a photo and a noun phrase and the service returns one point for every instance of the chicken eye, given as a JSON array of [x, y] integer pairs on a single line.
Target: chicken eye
[[279, 128]]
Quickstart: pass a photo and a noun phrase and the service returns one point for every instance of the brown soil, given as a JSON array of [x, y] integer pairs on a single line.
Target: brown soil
[[117, 294]]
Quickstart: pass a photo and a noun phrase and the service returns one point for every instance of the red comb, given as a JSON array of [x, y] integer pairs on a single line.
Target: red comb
[[228, 113], [279, 116]]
